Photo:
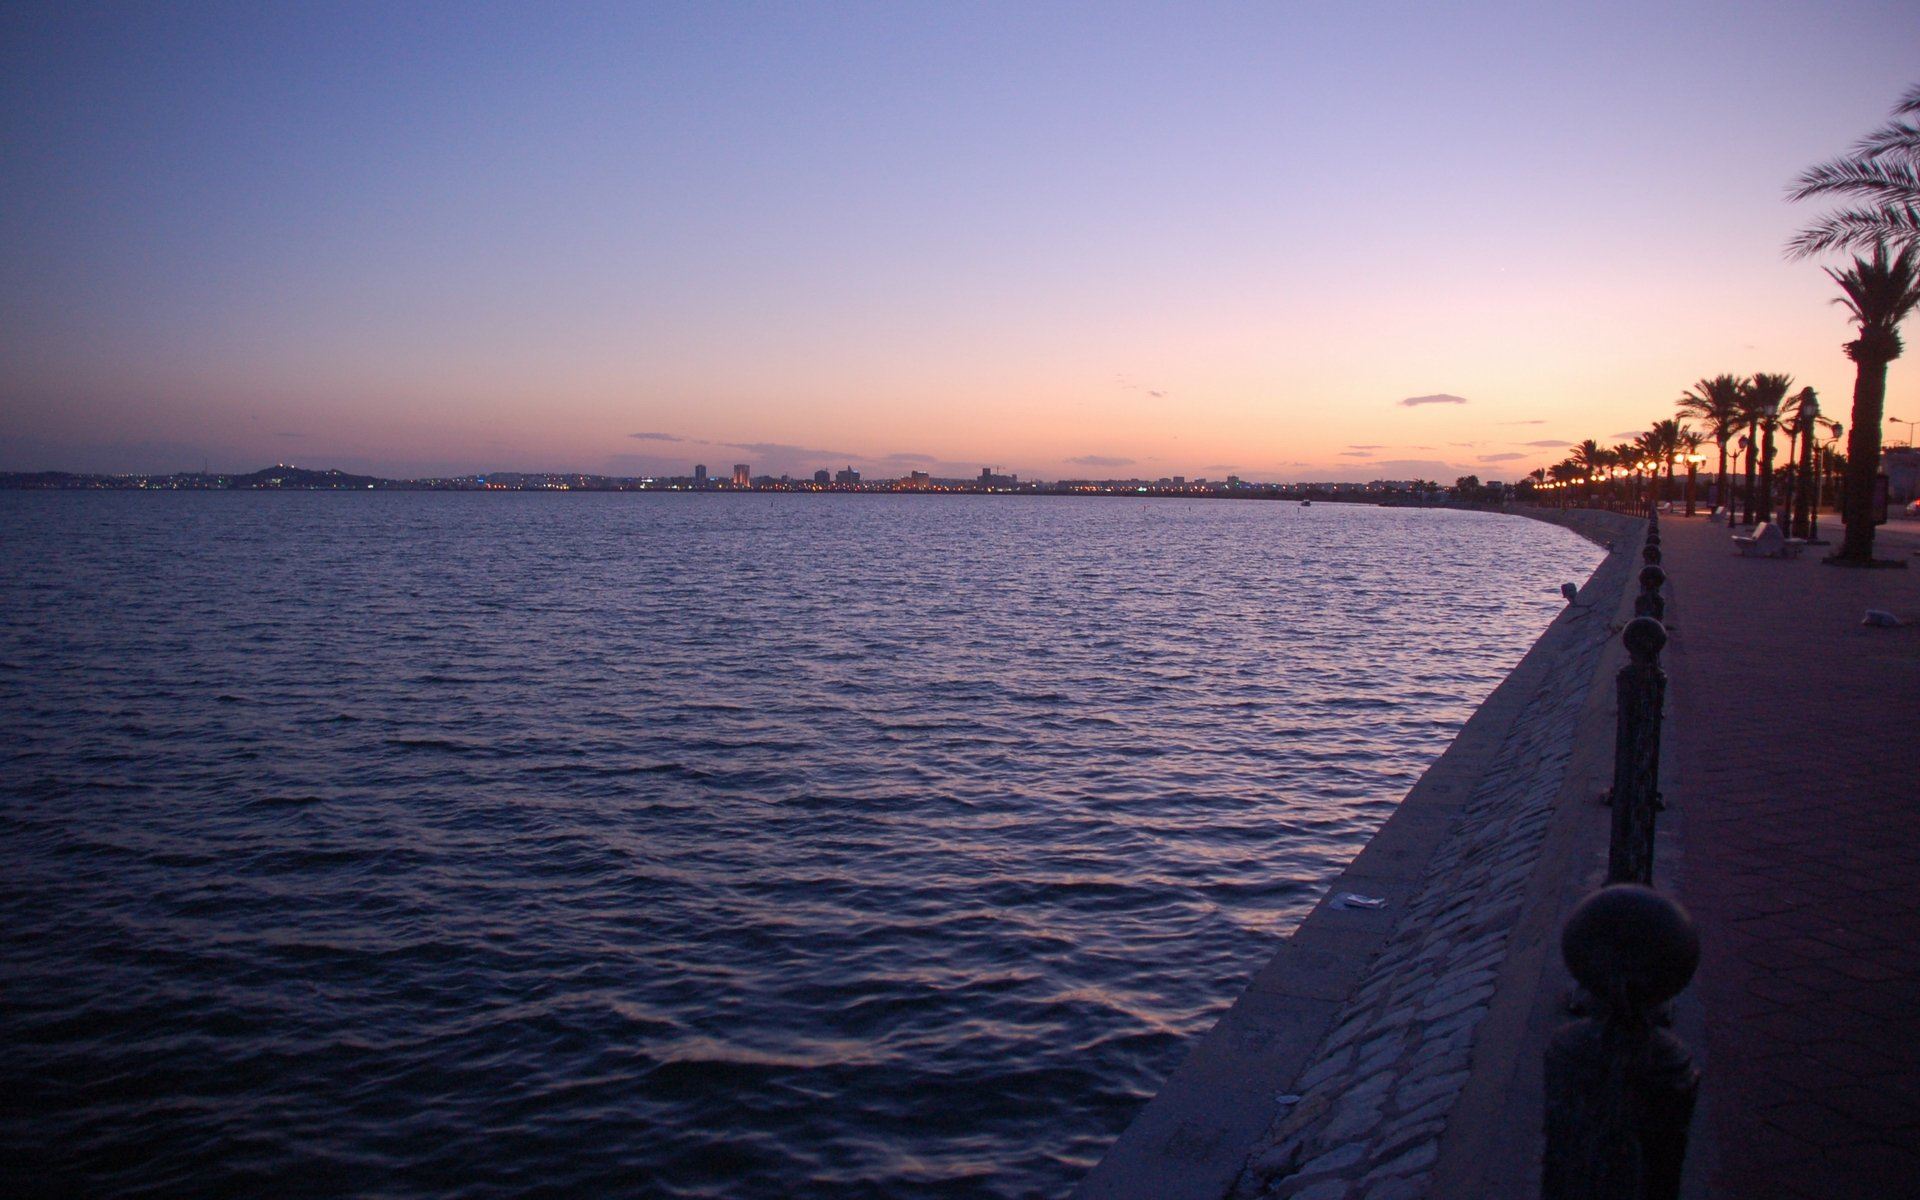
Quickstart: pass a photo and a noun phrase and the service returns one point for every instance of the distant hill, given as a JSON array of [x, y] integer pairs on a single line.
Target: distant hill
[[302, 478]]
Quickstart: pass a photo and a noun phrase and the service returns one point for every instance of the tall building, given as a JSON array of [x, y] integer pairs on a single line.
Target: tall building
[[821, 477], [699, 473], [848, 476], [742, 475]]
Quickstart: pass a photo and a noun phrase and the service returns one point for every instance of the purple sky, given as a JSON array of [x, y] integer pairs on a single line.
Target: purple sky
[[1061, 240]]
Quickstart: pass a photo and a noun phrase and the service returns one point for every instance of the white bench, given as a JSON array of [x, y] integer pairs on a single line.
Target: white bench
[[1769, 542]]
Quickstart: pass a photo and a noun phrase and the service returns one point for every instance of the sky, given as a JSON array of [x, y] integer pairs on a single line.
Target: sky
[[1291, 240]]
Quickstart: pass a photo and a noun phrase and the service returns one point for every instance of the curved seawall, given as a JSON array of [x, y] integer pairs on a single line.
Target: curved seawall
[[1342, 1064]]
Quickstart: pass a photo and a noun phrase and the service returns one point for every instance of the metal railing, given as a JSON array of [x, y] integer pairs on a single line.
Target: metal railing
[[1620, 1086]]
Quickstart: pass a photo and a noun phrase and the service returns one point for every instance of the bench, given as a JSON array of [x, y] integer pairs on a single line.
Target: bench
[[1768, 542]]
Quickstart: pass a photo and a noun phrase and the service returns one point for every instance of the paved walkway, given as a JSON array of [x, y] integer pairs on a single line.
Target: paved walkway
[[1792, 770]]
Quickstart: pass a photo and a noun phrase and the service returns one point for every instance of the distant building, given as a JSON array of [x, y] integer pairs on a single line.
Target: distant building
[[822, 478], [919, 480], [699, 473], [988, 479], [742, 475], [847, 476], [1902, 467]]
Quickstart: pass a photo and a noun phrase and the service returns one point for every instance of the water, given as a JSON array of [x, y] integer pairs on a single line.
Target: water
[[497, 845]]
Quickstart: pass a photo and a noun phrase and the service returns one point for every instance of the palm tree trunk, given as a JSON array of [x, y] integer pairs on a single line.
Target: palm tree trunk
[[1863, 459], [1720, 484]]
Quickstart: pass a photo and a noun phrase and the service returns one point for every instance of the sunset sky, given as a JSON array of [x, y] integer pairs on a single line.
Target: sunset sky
[[1062, 240]]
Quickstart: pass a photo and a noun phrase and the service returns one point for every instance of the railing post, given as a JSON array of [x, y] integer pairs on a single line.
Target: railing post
[[1620, 1086], [1640, 690], [1650, 603]]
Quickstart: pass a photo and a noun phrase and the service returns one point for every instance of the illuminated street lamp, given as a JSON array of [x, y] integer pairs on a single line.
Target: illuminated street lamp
[[1692, 463]]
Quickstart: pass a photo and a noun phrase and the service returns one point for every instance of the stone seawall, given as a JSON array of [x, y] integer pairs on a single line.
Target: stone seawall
[[1337, 1074]]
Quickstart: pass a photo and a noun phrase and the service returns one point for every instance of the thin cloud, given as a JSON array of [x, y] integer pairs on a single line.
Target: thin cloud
[[1362, 446], [1535, 421], [1436, 398], [1549, 444], [922, 458], [656, 437], [1157, 395], [1493, 458], [1356, 454], [1100, 460], [1628, 436], [772, 449]]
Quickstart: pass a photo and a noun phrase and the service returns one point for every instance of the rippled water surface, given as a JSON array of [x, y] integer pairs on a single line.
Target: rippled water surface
[[671, 845]]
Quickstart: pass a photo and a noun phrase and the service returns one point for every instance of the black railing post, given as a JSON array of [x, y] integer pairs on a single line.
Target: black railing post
[[1620, 1086], [1640, 690], [1650, 603]]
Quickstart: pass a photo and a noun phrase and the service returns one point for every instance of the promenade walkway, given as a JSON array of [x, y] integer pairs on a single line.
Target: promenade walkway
[[1792, 770], [1396, 1057]]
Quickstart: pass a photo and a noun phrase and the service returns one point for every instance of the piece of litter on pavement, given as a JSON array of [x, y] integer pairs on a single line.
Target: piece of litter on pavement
[[1286, 1098], [1880, 617], [1355, 900]]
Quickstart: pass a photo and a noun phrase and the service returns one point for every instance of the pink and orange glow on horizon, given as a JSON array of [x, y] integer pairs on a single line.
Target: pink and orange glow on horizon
[[1165, 242]]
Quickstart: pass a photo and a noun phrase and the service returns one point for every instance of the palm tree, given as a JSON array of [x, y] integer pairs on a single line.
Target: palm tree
[[1762, 398], [1716, 402], [1690, 442], [1660, 444], [1564, 473], [1588, 457], [1878, 294], [1883, 170], [1799, 427]]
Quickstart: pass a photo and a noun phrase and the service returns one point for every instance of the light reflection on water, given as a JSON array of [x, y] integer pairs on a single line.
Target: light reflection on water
[[684, 845]]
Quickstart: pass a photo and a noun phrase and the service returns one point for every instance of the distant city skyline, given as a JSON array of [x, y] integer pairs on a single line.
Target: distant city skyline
[[1285, 241]]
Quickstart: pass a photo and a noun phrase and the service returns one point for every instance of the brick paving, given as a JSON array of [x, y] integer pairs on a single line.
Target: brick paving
[[1792, 768]]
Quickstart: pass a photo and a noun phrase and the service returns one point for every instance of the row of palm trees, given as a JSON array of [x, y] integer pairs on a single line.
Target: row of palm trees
[[1881, 174], [1879, 291], [1752, 409], [1746, 414]]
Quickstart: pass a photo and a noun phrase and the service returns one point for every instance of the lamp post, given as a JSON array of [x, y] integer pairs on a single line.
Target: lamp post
[[1908, 424], [1692, 462], [1820, 485], [1805, 501], [1744, 447], [1769, 418]]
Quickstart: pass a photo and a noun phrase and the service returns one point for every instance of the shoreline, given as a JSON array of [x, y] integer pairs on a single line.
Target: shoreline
[[1346, 1057]]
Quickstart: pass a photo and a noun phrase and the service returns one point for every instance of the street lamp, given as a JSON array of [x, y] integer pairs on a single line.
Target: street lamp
[[1909, 425], [1820, 483], [1692, 462], [1769, 418]]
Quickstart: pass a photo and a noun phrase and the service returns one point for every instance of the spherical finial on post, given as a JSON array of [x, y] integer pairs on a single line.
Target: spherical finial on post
[[1645, 638], [1650, 552], [1652, 578], [1631, 945]]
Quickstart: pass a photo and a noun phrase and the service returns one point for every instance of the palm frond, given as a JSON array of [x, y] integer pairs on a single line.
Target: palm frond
[[1889, 182], [1858, 229], [1897, 140], [1880, 292]]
